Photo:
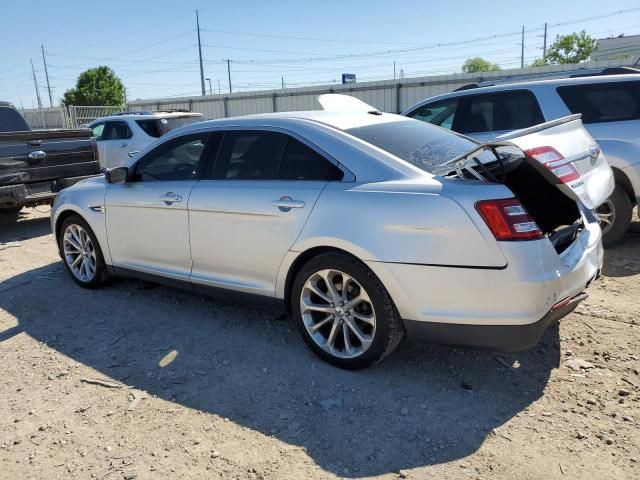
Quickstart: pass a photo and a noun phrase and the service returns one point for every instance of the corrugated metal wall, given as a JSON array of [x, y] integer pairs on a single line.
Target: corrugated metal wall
[[388, 96]]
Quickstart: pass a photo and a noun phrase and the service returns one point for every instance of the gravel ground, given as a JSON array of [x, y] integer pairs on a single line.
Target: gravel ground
[[141, 381]]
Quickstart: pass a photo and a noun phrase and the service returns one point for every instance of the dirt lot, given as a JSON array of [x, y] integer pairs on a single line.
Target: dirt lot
[[141, 381]]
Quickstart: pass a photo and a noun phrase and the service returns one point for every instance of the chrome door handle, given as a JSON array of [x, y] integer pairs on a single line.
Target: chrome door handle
[[169, 198], [36, 155], [134, 153], [286, 203]]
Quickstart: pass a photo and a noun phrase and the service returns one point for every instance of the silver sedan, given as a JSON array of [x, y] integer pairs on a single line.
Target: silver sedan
[[339, 218]]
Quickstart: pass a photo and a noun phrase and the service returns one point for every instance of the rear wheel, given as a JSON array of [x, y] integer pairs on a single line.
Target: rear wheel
[[81, 253], [343, 312], [615, 216]]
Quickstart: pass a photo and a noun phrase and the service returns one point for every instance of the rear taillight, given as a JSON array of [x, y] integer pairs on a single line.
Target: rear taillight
[[94, 146], [508, 220], [555, 162]]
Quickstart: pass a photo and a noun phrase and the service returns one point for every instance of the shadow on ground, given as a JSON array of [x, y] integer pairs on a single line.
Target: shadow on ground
[[14, 228], [421, 406], [616, 259]]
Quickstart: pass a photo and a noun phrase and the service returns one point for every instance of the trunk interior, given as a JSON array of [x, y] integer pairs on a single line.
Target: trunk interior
[[556, 214]]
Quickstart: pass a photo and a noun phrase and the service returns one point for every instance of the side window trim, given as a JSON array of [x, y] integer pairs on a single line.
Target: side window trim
[[348, 176]]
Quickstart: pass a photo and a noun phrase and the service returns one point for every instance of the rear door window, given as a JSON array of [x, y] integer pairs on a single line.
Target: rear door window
[[116, 131], [499, 111], [441, 113], [249, 155], [603, 102], [301, 162]]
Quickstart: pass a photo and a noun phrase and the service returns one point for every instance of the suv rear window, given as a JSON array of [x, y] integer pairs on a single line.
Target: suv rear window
[[168, 124], [603, 102]]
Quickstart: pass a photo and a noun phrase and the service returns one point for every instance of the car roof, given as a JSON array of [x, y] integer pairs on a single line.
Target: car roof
[[147, 116], [520, 83], [338, 119]]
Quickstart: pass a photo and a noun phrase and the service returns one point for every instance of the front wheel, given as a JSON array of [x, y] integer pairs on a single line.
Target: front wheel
[[343, 312], [615, 216], [81, 253]]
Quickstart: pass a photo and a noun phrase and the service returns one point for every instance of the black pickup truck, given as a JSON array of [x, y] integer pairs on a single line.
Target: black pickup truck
[[36, 164]]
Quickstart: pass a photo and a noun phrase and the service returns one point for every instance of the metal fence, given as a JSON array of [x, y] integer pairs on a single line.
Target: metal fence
[[388, 96], [66, 117]]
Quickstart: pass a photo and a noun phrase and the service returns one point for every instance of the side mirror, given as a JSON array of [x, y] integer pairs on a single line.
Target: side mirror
[[117, 175]]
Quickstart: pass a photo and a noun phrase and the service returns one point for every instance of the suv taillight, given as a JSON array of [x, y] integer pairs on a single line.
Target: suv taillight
[[508, 220], [555, 162]]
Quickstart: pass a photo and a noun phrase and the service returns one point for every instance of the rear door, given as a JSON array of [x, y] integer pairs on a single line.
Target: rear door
[[113, 144], [250, 208], [572, 155]]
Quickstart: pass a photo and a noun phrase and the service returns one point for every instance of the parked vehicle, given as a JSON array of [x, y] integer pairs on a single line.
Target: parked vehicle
[[336, 216], [36, 164], [610, 108], [123, 135]]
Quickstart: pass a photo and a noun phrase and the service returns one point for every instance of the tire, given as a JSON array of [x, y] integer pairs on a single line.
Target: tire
[[10, 211], [617, 210], [375, 305], [73, 232]]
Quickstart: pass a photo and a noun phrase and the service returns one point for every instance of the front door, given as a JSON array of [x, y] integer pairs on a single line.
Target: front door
[[147, 217], [250, 209]]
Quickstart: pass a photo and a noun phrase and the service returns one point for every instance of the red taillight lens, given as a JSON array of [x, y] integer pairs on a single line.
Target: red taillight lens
[[508, 220], [555, 162]]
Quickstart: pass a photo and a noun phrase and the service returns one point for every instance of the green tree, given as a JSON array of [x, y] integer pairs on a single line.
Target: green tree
[[539, 62], [477, 64], [96, 86], [572, 48]]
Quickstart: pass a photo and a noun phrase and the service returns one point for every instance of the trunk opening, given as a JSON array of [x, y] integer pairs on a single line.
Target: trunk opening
[[556, 214]]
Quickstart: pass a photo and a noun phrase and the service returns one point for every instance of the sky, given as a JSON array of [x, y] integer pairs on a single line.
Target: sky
[[152, 45]]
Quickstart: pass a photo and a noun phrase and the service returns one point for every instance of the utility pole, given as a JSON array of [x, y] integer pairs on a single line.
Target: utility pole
[[229, 74], [394, 70], [544, 44], [200, 54], [35, 83], [282, 78], [219, 91], [522, 50], [210, 91], [46, 73]]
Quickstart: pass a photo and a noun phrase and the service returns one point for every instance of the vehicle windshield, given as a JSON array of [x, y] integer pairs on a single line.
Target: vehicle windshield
[[421, 144], [168, 124]]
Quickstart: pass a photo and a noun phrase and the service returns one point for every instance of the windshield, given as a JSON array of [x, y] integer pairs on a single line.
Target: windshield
[[421, 144], [172, 123]]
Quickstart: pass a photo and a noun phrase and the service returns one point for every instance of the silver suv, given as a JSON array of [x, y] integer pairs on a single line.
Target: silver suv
[[610, 108]]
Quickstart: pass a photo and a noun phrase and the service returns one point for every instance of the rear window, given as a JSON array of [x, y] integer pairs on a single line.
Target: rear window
[[603, 102], [168, 124], [150, 127], [421, 144], [11, 120]]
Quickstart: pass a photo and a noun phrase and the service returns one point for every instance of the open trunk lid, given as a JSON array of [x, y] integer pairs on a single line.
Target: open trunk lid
[[565, 147]]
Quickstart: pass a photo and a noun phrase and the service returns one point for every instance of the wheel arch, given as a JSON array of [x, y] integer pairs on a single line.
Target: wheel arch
[[299, 261], [621, 179], [95, 220]]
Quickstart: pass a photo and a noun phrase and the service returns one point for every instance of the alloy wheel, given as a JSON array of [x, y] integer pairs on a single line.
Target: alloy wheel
[[606, 216], [338, 313], [79, 253]]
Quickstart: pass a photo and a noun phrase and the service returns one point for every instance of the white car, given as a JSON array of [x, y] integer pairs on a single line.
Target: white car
[[121, 136], [337, 216]]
